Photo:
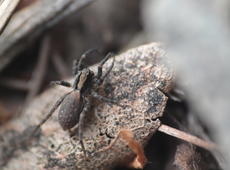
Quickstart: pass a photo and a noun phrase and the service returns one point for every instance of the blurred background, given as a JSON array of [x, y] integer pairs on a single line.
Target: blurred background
[[43, 37]]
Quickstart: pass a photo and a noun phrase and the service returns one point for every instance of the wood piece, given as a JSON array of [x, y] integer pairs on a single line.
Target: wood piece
[[138, 80], [187, 137], [27, 24]]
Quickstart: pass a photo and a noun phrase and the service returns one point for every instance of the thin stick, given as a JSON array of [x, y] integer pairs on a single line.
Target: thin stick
[[187, 137], [40, 70], [59, 65], [14, 83]]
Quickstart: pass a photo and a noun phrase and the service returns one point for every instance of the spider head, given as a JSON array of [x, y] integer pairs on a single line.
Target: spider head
[[83, 80]]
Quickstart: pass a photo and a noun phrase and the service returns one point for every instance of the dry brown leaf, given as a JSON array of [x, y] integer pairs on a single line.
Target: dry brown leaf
[[140, 159]]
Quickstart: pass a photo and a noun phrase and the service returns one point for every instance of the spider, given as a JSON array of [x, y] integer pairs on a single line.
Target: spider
[[75, 104]]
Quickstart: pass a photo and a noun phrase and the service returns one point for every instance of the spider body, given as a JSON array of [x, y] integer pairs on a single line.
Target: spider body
[[76, 103], [70, 110], [72, 106]]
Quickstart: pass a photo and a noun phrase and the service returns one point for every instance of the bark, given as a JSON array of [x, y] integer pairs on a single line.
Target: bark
[[138, 81]]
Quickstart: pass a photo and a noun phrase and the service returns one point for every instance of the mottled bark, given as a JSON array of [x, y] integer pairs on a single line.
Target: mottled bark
[[138, 81]]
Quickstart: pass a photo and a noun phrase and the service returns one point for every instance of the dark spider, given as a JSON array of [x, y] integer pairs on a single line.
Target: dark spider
[[75, 104]]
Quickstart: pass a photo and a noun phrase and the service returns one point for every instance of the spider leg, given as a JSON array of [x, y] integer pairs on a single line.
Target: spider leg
[[77, 65], [50, 113], [105, 99], [61, 83], [107, 72], [99, 69], [81, 123]]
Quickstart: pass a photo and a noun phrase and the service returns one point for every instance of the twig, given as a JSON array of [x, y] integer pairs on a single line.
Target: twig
[[59, 65], [14, 83], [38, 74], [187, 137]]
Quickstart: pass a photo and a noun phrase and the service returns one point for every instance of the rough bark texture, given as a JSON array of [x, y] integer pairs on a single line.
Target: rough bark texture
[[138, 80]]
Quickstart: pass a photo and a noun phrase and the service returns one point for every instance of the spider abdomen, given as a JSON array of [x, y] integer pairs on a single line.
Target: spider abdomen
[[70, 110]]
